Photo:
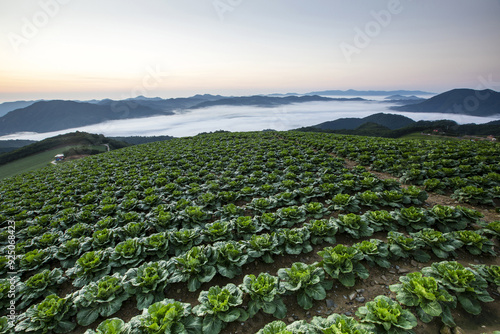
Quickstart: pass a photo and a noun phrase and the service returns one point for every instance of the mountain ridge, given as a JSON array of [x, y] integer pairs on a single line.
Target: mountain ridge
[[7, 107], [268, 101], [390, 121], [403, 98], [46, 116], [459, 101], [446, 127], [353, 92]]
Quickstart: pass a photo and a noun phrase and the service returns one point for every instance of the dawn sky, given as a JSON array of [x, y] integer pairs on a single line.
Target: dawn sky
[[84, 49]]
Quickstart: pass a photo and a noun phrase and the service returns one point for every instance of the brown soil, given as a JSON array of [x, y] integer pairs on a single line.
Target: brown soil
[[383, 176]]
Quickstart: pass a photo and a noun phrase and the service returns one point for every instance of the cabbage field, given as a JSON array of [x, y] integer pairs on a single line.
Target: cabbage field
[[258, 232]]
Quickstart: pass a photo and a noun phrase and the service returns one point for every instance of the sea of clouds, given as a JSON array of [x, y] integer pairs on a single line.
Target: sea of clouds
[[247, 118]]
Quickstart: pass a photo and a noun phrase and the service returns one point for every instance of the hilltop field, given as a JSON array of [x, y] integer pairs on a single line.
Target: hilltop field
[[268, 232]]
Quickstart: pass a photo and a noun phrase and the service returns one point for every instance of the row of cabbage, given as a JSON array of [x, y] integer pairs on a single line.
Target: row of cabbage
[[133, 248], [470, 170], [186, 213], [433, 292], [201, 263], [187, 167], [182, 214], [87, 266]]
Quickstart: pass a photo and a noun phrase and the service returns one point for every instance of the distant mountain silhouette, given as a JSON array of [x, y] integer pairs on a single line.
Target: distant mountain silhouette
[[447, 127], [389, 121], [267, 101], [283, 95], [9, 106], [159, 104], [352, 92], [403, 100], [402, 97], [46, 116], [459, 101]]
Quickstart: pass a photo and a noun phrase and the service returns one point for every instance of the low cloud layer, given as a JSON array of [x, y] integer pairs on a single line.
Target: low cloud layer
[[190, 123]]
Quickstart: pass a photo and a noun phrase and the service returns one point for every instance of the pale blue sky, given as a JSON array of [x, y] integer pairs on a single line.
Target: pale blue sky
[[83, 49]]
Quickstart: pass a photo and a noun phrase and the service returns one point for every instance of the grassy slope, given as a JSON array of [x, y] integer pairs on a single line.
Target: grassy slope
[[27, 164], [68, 139], [35, 162]]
